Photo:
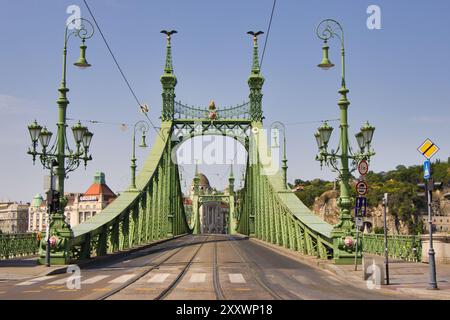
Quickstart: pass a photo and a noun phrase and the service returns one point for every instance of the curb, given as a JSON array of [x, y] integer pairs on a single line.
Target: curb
[[327, 266], [110, 256]]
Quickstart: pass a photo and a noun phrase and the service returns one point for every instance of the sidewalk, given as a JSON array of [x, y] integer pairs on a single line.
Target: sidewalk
[[27, 267], [23, 268], [407, 279]]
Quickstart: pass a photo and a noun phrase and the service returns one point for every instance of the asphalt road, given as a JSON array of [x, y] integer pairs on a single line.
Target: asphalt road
[[204, 267]]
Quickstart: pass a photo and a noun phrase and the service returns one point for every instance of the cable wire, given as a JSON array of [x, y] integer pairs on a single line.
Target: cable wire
[[267, 33], [119, 68]]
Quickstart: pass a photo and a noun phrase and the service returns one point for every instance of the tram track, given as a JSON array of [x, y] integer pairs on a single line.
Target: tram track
[[216, 279], [260, 279], [180, 276], [145, 272]]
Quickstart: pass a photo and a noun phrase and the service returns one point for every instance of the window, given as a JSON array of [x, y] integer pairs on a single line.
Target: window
[[94, 213], [81, 217]]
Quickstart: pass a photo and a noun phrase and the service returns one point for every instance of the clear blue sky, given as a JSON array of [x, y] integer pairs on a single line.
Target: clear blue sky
[[399, 77]]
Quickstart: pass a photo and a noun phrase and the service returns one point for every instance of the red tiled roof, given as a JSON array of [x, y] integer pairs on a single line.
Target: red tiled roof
[[96, 189]]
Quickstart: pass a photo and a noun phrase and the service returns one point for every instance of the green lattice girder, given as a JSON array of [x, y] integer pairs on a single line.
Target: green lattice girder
[[154, 211], [272, 213]]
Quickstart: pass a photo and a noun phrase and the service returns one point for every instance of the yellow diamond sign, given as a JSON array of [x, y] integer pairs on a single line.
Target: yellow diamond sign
[[428, 149]]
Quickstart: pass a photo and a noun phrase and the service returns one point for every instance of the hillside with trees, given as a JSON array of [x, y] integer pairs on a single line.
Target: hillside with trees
[[406, 200]]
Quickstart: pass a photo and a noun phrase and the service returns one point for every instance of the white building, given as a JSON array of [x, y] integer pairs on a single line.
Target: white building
[[213, 215], [13, 217], [80, 206]]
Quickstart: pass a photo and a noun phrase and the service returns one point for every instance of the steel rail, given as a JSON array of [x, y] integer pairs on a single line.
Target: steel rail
[[144, 273], [216, 280], [180, 276], [259, 278]]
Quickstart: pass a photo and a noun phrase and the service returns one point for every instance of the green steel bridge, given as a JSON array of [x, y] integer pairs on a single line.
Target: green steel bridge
[[152, 208]]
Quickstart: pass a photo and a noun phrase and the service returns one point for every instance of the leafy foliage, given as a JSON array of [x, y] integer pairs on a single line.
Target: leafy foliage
[[312, 189], [406, 199]]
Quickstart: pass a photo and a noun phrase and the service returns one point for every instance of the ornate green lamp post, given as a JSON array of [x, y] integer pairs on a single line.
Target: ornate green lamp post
[[343, 231], [284, 167], [143, 127], [59, 157]]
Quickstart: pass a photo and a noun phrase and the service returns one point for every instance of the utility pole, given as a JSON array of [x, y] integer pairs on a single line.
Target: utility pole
[[386, 255]]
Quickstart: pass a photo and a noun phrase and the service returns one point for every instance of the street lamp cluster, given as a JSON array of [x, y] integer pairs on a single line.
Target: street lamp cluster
[[82, 137], [363, 138], [59, 158], [344, 230]]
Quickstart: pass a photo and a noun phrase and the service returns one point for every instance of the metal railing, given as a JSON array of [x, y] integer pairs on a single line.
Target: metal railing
[[15, 245], [407, 248]]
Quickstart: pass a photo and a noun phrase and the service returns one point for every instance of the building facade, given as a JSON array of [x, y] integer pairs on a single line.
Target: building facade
[[214, 214], [80, 206], [13, 217]]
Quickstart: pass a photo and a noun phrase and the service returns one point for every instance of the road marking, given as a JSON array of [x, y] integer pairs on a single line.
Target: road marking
[[198, 277], [126, 261], [144, 289], [101, 289], [236, 278], [159, 278], [32, 291], [332, 279], [303, 280], [168, 269], [33, 281], [123, 278], [68, 290], [94, 279], [52, 287], [241, 289], [194, 289], [65, 280]]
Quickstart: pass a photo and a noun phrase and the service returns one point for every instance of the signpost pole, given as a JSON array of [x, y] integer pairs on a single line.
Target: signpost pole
[[49, 215], [361, 203], [431, 261], [386, 255], [428, 149], [356, 248]]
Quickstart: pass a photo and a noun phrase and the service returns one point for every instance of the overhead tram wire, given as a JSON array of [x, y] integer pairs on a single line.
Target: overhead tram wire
[[100, 122], [267, 33], [309, 122], [120, 69]]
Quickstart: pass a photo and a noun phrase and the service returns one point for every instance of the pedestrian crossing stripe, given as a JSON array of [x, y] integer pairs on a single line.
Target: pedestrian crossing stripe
[[198, 277], [159, 278], [236, 278], [156, 278], [123, 278], [65, 280], [428, 149], [33, 281], [94, 279]]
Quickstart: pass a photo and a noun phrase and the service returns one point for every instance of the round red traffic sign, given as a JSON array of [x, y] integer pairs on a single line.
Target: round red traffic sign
[[363, 167], [362, 188]]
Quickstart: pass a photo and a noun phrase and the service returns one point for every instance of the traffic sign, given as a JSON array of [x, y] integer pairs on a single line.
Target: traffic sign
[[427, 169], [363, 167], [359, 222], [361, 188], [360, 206], [428, 149]]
